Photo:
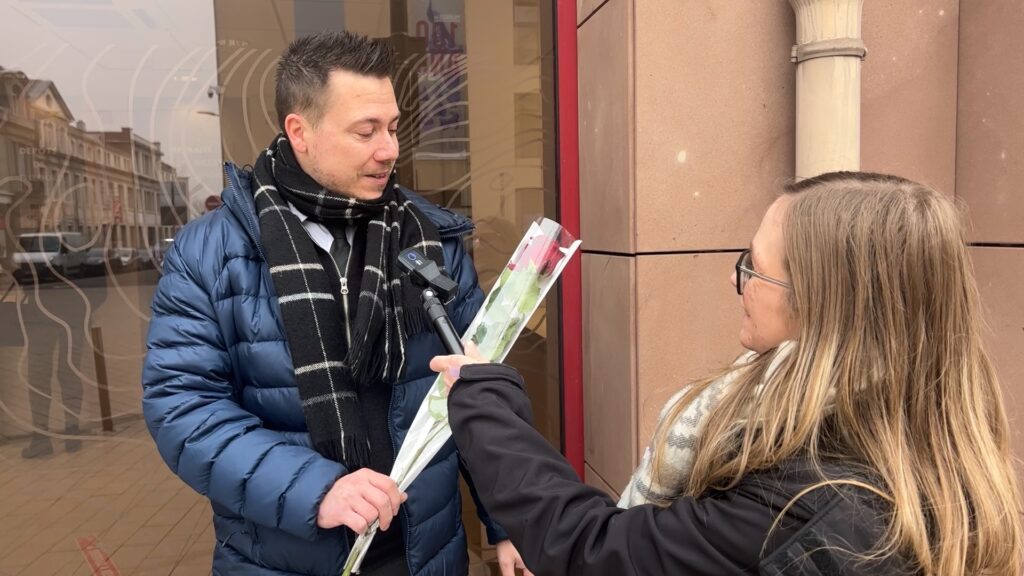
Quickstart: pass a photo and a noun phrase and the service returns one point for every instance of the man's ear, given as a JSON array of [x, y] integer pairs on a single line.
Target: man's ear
[[296, 128]]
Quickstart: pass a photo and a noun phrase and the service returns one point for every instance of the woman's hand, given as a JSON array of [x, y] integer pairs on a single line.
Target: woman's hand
[[449, 366], [509, 559]]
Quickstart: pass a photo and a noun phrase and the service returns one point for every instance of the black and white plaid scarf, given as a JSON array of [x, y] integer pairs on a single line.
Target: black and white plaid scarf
[[389, 311]]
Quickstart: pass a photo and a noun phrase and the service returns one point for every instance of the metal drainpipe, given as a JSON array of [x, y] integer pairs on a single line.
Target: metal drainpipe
[[828, 56]]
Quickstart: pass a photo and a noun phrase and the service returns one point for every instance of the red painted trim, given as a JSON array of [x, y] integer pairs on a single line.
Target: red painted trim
[[569, 214]]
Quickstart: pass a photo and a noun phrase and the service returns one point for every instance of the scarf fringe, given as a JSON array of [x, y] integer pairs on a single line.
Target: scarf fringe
[[414, 317], [368, 366], [416, 321], [413, 320], [351, 451]]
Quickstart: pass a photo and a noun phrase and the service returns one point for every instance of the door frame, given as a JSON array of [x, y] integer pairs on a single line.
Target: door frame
[[571, 292]]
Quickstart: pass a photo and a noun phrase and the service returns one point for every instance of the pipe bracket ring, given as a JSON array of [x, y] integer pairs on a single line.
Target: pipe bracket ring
[[843, 47]]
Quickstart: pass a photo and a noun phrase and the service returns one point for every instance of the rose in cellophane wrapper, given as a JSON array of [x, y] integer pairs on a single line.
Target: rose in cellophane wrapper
[[530, 273]]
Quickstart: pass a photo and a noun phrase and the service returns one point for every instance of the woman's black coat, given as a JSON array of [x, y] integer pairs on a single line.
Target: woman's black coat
[[564, 527]]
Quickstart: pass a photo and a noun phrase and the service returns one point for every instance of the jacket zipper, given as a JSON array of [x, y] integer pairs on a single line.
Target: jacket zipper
[[253, 229], [402, 515], [343, 279]]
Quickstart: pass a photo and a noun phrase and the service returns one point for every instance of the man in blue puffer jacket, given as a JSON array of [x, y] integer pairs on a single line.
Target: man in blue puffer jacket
[[273, 388]]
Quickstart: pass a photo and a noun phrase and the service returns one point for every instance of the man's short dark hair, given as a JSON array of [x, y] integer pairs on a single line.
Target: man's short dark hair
[[306, 65]]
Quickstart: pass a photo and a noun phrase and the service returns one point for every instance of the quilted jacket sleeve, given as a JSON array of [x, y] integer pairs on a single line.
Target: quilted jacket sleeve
[[470, 296], [191, 408]]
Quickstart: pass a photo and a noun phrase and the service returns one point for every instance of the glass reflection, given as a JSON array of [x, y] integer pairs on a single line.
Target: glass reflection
[[114, 122]]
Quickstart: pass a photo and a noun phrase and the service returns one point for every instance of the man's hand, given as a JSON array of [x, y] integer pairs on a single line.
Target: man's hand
[[509, 559], [359, 498]]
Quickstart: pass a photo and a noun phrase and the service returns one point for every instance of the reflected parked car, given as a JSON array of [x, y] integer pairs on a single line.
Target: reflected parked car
[[48, 254], [161, 250], [100, 261], [124, 260], [145, 259], [96, 261]]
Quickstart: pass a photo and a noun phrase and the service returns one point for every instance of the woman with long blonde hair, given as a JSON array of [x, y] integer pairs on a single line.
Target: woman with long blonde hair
[[863, 433]]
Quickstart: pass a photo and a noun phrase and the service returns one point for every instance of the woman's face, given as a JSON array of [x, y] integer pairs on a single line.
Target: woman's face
[[768, 318]]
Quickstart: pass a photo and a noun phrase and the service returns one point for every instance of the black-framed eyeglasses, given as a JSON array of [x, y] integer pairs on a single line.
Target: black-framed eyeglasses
[[745, 269]]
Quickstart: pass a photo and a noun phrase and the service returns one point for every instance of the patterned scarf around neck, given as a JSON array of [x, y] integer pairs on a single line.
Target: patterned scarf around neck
[[389, 310], [646, 487]]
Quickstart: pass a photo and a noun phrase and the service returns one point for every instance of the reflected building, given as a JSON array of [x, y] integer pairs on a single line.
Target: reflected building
[[173, 201], [57, 175]]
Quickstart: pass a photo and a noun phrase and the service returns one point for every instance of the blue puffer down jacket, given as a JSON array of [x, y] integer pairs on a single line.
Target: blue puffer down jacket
[[221, 402]]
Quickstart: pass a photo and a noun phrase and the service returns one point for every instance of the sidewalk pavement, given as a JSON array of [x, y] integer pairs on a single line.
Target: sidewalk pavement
[[111, 509]]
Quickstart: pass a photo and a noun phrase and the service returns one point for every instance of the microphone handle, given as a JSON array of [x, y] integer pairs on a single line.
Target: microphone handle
[[442, 324], [446, 332]]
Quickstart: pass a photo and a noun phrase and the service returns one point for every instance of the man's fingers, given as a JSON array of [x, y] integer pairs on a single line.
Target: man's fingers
[[380, 501], [354, 521], [366, 510], [383, 493], [386, 485], [363, 493]]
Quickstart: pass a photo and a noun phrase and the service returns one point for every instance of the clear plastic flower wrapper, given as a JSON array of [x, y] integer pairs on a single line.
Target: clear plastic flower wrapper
[[530, 273]]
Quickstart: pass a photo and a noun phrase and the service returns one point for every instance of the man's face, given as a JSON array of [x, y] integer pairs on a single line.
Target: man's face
[[353, 148]]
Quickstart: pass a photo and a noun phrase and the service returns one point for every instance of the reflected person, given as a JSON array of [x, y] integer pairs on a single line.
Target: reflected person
[[55, 315]]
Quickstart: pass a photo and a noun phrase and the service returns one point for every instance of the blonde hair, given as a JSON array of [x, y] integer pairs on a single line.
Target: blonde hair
[[889, 373]]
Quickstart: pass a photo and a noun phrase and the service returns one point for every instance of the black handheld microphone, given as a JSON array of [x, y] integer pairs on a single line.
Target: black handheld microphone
[[428, 276], [442, 323]]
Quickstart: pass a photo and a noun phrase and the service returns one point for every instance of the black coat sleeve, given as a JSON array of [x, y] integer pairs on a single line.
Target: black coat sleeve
[[564, 527]]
